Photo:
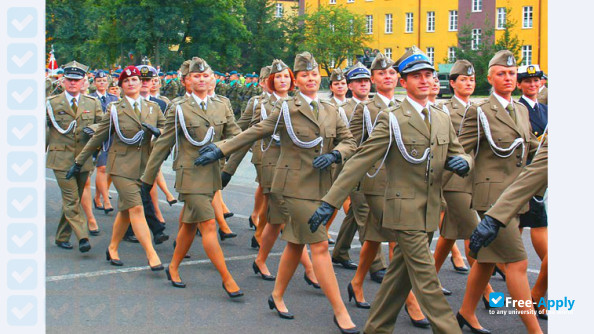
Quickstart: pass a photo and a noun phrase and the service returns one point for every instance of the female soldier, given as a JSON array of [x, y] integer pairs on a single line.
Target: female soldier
[[131, 122], [309, 131]]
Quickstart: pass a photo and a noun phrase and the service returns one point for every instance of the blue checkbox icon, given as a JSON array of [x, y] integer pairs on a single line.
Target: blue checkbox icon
[[21, 274], [21, 202], [22, 166], [21, 238], [21, 130], [22, 94], [22, 58], [496, 299], [22, 22], [21, 310]]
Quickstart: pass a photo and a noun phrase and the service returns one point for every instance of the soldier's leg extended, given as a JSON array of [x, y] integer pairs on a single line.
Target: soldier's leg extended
[[72, 219]]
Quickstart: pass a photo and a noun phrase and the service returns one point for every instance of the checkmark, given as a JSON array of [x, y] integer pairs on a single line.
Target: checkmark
[[21, 277], [21, 133], [20, 97], [22, 312], [20, 206], [496, 300], [21, 61], [22, 24], [22, 168], [94, 312], [21, 241]]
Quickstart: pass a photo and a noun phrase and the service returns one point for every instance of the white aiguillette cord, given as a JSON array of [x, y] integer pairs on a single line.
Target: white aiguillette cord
[[50, 114], [264, 116], [498, 151], [542, 139], [179, 117], [367, 123], [113, 117], [289, 126]]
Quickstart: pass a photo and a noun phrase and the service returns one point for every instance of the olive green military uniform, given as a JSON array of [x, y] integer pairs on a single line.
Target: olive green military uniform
[[543, 95]]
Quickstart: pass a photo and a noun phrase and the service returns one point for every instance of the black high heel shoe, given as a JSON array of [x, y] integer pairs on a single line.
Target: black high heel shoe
[[224, 235], [235, 294], [173, 201], [187, 256], [283, 315], [496, 270], [97, 206], [228, 215], [264, 276], [310, 282], [252, 225], [113, 262], [353, 330], [255, 243], [423, 323], [158, 267], [94, 232], [542, 316], [351, 294], [462, 322], [462, 270], [108, 210], [486, 303], [179, 284]]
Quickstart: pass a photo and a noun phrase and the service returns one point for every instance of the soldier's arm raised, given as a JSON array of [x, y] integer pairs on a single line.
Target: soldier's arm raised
[[161, 147]]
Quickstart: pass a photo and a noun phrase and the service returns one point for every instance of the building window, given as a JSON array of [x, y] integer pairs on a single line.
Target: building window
[[477, 5], [526, 54], [279, 10], [388, 23], [501, 13], [388, 53], [451, 55], [369, 24], [475, 39], [453, 25], [431, 54], [333, 2], [332, 27], [409, 22], [350, 1], [430, 21], [527, 22]]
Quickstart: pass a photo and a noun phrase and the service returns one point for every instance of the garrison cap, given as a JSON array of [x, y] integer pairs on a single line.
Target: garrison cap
[[265, 72], [358, 72], [381, 62], [304, 61], [75, 70], [529, 71], [232, 72], [129, 71], [161, 74], [277, 66], [198, 65], [337, 75], [413, 60], [503, 58], [184, 69], [147, 72], [101, 74], [462, 67]]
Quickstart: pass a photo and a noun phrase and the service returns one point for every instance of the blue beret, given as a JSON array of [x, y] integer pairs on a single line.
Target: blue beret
[[115, 75], [232, 72], [60, 71], [119, 70]]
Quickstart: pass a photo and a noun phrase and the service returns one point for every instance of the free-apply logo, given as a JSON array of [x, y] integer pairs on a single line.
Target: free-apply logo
[[496, 299]]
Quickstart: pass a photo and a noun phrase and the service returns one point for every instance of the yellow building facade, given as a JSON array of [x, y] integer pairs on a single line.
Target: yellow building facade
[[285, 8], [433, 25]]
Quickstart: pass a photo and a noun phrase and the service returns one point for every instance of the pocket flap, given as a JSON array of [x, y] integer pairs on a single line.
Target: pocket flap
[[57, 147], [441, 140]]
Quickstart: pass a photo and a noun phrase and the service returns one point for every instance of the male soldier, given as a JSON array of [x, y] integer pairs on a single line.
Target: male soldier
[[101, 92], [147, 74], [498, 132], [423, 145], [69, 116], [171, 86], [57, 86], [234, 92], [543, 92], [114, 89], [156, 90]]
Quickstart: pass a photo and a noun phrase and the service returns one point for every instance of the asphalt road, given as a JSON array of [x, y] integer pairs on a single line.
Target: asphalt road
[[87, 295]]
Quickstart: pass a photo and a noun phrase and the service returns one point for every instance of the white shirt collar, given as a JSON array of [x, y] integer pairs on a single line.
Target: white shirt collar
[[309, 100], [213, 95], [99, 95], [541, 88], [339, 101], [357, 101], [503, 101], [199, 100], [70, 97], [462, 102], [530, 101], [188, 94], [386, 100], [419, 108], [276, 96], [132, 101], [267, 94]]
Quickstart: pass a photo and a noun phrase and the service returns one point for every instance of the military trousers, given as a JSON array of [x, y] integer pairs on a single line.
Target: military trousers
[[72, 219], [413, 267]]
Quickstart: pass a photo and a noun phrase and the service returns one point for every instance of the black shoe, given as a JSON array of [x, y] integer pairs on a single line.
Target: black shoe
[[445, 291], [351, 294], [173, 201], [158, 267], [252, 225], [97, 206], [378, 276], [131, 238], [255, 243], [284, 315], [84, 245], [198, 233], [353, 330], [235, 294], [498, 271], [228, 215], [462, 322], [462, 270], [224, 235], [331, 241], [347, 264], [264, 276], [112, 261], [108, 210], [187, 256], [94, 232], [542, 316], [423, 323], [310, 282], [160, 238], [486, 303], [175, 284], [64, 244]]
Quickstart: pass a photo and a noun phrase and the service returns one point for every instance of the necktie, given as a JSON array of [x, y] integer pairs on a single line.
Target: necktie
[[391, 104], [103, 99], [425, 113], [74, 106], [315, 108], [512, 112], [136, 110], [203, 106]]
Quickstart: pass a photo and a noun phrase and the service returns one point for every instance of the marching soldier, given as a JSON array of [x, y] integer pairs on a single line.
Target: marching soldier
[[171, 86], [234, 92], [501, 149], [70, 115], [424, 142], [338, 87]]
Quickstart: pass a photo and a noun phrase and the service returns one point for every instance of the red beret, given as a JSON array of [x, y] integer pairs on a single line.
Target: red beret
[[129, 71]]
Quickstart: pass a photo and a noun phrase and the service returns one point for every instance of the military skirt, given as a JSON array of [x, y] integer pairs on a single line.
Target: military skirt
[[507, 246], [277, 213], [128, 192], [299, 212], [197, 208], [459, 220], [373, 230]]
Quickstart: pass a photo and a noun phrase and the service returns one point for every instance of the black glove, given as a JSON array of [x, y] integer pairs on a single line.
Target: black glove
[[327, 159], [225, 178], [537, 209], [209, 157], [74, 170], [88, 131], [156, 132], [207, 148], [484, 233], [321, 216], [457, 165]]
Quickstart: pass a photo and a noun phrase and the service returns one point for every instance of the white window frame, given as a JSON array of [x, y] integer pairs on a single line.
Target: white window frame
[[501, 18], [431, 21], [431, 54], [369, 24], [279, 10], [527, 17], [388, 52], [526, 54], [409, 23], [451, 54], [349, 59], [388, 22], [476, 38], [477, 6], [332, 27], [333, 2], [453, 21], [350, 1]]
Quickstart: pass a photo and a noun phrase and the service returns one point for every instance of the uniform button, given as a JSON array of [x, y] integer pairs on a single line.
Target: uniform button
[[432, 143], [488, 178], [431, 183], [316, 151], [286, 165], [519, 164], [317, 133], [431, 170], [518, 155], [500, 139], [397, 194]]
